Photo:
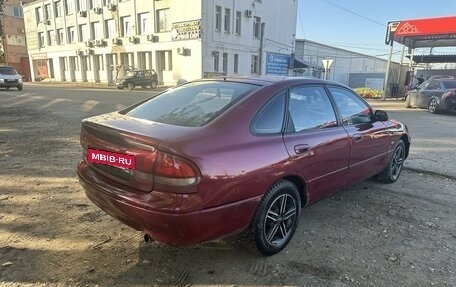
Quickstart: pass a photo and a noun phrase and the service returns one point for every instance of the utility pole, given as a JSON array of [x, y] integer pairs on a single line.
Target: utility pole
[[260, 58]]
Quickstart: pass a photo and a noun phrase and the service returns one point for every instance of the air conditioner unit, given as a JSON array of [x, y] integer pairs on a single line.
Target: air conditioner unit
[[83, 13], [89, 43], [21, 30], [248, 13], [47, 22], [117, 41], [97, 10], [133, 39], [152, 38], [78, 52], [98, 43], [89, 51], [111, 7], [183, 51]]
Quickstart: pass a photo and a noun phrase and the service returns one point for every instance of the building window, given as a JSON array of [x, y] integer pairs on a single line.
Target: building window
[[69, 7], [58, 9], [47, 11], [227, 21], [237, 30], [96, 30], [236, 63], [60, 36], [144, 23], [17, 12], [107, 2], [256, 27], [71, 36], [51, 38], [163, 21], [41, 39], [216, 61], [39, 14], [225, 62], [254, 65], [95, 4], [110, 28], [83, 33], [218, 18], [82, 5], [126, 25], [64, 63]]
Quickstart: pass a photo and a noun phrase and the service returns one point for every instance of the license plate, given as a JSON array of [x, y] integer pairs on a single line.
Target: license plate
[[111, 158]]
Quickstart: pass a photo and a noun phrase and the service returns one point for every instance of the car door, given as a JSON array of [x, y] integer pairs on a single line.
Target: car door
[[428, 90], [369, 140], [318, 144]]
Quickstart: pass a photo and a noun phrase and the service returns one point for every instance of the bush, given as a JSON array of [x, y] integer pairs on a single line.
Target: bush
[[369, 93]]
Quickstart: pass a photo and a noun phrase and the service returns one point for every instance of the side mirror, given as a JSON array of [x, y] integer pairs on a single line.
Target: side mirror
[[381, 116]]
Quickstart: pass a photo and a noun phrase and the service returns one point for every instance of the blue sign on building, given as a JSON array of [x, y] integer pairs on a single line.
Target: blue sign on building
[[277, 64]]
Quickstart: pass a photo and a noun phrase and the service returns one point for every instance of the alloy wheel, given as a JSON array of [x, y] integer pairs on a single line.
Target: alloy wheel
[[280, 220]]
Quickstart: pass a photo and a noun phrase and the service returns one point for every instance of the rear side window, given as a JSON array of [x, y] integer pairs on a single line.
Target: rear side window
[[270, 118], [310, 109], [192, 105]]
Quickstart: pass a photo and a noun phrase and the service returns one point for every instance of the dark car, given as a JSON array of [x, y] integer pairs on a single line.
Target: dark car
[[215, 157], [9, 78], [435, 94], [142, 78]]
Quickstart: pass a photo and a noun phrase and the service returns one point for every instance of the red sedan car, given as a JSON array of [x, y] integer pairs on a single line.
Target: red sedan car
[[219, 156]]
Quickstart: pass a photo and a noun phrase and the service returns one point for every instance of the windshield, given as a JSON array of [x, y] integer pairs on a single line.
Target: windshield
[[193, 104], [7, 71]]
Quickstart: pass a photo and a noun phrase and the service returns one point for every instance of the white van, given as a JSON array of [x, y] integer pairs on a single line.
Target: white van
[[10, 78]]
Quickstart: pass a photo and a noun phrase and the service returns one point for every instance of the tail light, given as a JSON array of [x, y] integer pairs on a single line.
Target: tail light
[[173, 171]]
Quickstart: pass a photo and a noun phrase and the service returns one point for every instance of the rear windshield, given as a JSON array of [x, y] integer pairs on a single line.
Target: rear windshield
[[192, 105], [7, 71], [449, 84]]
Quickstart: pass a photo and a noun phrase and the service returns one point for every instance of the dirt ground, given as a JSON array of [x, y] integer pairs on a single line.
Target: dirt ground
[[370, 234]]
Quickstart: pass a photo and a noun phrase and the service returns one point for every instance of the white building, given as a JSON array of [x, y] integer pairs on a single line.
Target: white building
[[97, 40], [348, 67]]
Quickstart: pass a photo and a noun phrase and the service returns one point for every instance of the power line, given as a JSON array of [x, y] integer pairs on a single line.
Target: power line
[[353, 12]]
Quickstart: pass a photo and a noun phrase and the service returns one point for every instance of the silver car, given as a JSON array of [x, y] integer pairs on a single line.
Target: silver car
[[434, 94], [9, 78]]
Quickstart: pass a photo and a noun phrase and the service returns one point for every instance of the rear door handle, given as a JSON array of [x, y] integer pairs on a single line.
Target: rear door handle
[[301, 148], [357, 137]]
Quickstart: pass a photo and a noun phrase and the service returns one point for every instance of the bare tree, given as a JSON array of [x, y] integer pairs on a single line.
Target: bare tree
[[2, 35]]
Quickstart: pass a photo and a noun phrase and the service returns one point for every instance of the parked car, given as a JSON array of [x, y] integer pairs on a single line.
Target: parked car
[[10, 78], [435, 94], [142, 78], [219, 156]]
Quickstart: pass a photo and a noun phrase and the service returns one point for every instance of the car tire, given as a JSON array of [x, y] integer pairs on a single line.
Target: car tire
[[433, 106], [407, 102], [153, 85], [393, 170], [143, 86], [276, 218], [20, 88], [130, 86], [120, 88], [7, 88]]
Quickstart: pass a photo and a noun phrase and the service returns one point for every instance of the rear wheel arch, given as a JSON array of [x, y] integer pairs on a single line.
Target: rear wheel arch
[[301, 185]]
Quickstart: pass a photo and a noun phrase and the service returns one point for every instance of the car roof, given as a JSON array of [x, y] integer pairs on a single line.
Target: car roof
[[269, 80]]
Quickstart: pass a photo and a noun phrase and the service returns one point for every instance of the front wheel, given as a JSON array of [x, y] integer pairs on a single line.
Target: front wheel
[[276, 218], [432, 107], [393, 170], [153, 85], [20, 88]]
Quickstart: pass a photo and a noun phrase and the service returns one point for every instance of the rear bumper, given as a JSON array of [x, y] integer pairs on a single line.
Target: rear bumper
[[146, 212]]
